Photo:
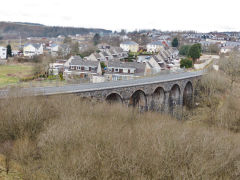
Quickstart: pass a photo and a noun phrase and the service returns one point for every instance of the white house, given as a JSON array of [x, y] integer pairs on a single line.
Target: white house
[[120, 67], [82, 68], [32, 49], [3, 53], [54, 49], [117, 70], [155, 46], [129, 46]]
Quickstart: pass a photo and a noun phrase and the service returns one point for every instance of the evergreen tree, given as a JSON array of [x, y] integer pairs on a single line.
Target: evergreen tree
[[184, 50], [96, 39], [9, 51], [175, 42], [195, 52]]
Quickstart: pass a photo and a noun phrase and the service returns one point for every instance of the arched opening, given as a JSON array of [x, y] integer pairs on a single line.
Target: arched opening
[[158, 99], [174, 97], [188, 95], [114, 98], [139, 100]]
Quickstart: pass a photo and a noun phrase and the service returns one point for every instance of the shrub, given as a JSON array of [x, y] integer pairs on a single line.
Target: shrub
[[23, 117], [61, 76], [219, 103], [65, 137], [102, 65], [184, 50], [52, 77], [186, 63], [25, 79]]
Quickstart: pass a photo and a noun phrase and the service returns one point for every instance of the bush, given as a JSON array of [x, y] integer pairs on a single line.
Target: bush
[[184, 50], [61, 76], [103, 65], [23, 117], [65, 137], [52, 77], [186, 63], [129, 60], [229, 114], [26, 79], [210, 89], [220, 105]]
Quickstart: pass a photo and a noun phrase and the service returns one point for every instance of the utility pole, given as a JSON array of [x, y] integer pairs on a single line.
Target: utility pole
[[20, 38]]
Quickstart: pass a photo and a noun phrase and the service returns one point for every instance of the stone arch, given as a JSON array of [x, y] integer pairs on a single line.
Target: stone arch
[[114, 98], [188, 95], [174, 97], [139, 100], [158, 99]]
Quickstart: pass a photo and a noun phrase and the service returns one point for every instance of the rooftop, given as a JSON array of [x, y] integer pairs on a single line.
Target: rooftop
[[36, 45], [156, 43], [129, 43], [78, 61]]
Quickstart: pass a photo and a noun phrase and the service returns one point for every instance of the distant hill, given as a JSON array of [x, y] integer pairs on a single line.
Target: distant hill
[[11, 30], [28, 23]]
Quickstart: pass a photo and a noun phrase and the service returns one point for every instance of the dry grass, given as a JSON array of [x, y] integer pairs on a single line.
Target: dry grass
[[68, 138], [14, 173]]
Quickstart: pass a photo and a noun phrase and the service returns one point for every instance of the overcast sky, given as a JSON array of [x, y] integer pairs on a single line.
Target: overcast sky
[[199, 15]]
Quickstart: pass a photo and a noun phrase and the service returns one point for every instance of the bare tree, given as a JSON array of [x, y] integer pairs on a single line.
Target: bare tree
[[74, 48], [231, 66]]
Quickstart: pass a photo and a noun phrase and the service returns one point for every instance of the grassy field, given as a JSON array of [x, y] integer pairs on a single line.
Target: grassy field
[[11, 74]]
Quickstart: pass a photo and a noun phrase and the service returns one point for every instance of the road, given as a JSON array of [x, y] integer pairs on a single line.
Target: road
[[101, 86]]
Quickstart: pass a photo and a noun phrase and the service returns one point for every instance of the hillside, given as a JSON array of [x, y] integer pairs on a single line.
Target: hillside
[[11, 30], [66, 137]]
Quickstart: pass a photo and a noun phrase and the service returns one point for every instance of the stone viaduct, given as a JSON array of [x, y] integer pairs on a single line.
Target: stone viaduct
[[159, 93], [163, 96]]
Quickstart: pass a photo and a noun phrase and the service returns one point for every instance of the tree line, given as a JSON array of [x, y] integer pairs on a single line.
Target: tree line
[[44, 31]]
